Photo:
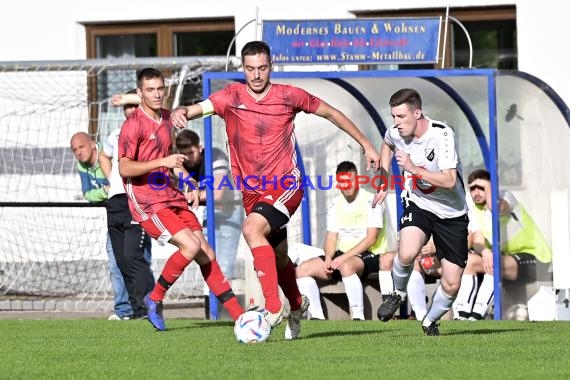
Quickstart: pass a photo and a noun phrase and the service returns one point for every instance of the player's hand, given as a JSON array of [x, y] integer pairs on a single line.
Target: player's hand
[[193, 198], [174, 161], [372, 159], [487, 256], [327, 265], [337, 262], [425, 251], [379, 197], [404, 161], [116, 100], [178, 117], [428, 249]]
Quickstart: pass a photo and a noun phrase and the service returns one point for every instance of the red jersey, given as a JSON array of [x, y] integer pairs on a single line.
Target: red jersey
[[144, 139], [260, 133]]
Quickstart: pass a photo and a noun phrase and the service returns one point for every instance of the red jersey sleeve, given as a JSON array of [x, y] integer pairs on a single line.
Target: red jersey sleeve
[[129, 140], [301, 100]]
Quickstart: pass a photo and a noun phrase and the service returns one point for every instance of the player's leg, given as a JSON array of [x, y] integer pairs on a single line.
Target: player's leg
[[138, 267], [485, 291], [116, 232], [352, 270], [520, 268], [463, 305], [288, 282], [122, 306], [510, 266], [167, 226], [412, 239], [286, 276], [264, 230], [450, 239], [255, 230], [306, 273], [417, 291], [415, 229], [385, 274], [215, 278]]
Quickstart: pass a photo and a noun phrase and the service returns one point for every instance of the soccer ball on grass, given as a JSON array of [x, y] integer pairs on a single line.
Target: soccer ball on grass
[[251, 327]]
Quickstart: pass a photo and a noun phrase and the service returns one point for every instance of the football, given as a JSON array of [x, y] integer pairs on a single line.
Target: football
[[251, 327]]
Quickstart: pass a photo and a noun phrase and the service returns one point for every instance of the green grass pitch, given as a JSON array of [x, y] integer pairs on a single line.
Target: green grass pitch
[[192, 349]]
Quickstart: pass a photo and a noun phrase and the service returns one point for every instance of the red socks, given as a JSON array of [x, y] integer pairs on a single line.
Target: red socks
[[220, 286], [264, 264], [288, 283], [173, 268]]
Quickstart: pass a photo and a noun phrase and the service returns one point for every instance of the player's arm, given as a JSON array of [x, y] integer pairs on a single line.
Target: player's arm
[[480, 247], [91, 193], [386, 153], [330, 249], [190, 187], [132, 168], [105, 164], [507, 202], [447, 161], [124, 99], [341, 121], [445, 178], [96, 195], [180, 115]]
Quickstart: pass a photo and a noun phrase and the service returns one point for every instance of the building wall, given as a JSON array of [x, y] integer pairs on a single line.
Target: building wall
[[52, 31]]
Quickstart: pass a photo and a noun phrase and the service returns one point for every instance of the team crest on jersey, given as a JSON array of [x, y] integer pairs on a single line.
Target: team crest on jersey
[[430, 154]]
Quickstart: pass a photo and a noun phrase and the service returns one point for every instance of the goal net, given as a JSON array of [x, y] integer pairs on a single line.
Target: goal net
[[52, 251]]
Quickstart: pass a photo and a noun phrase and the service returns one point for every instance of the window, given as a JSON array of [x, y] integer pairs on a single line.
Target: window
[[173, 38], [148, 39], [492, 31], [494, 44]]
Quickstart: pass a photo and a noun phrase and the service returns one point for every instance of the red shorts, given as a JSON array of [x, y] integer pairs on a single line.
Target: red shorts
[[285, 200], [166, 222]]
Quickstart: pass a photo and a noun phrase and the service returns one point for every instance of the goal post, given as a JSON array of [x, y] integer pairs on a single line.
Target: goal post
[[52, 251]]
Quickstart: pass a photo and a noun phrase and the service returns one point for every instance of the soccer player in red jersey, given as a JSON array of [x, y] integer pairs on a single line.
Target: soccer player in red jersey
[[161, 209], [259, 123]]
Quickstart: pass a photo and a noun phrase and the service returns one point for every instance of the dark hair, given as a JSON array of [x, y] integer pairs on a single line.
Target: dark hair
[[479, 174], [406, 96], [254, 48], [187, 139], [148, 73], [345, 167]]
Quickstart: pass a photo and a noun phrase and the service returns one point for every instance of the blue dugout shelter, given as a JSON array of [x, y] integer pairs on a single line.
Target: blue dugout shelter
[[508, 122]]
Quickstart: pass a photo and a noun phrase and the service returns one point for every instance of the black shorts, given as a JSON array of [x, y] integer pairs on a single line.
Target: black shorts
[[371, 264], [529, 268], [449, 234]]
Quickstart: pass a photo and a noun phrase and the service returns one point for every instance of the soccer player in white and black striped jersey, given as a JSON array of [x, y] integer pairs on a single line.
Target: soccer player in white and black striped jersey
[[433, 199]]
